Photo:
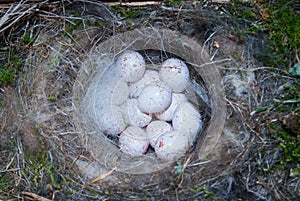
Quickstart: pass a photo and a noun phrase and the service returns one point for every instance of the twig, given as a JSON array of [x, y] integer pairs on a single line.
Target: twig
[[176, 9], [10, 170], [182, 171], [103, 176], [209, 38], [11, 13], [200, 163], [209, 63], [34, 196], [144, 3]]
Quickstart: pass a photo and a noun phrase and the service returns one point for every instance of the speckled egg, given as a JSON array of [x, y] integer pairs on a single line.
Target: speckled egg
[[133, 141], [135, 116], [110, 119], [136, 88], [111, 89], [175, 74], [171, 145], [177, 100], [131, 65], [187, 121], [155, 97], [155, 129]]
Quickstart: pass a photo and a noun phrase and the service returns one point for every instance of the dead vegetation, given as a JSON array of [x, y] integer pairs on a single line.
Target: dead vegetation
[[40, 143]]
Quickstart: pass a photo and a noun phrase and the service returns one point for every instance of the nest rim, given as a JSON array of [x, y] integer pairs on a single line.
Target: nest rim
[[161, 40]]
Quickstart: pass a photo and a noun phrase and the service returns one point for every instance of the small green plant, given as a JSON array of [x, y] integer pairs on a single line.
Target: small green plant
[[278, 105], [290, 145], [7, 74], [52, 98], [245, 20], [40, 170], [173, 2], [10, 67], [287, 136], [1, 103], [207, 192], [128, 13], [28, 40], [5, 182], [80, 23], [179, 168], [288, 101]]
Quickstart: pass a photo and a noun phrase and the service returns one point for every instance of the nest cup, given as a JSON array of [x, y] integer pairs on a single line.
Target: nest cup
[[102, 56]]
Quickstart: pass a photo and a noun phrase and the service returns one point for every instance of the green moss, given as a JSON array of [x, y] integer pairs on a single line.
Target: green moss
[[245, 20], [10, 67], [40, 170], [207, 192], [280, 24], [126, 12], [28, 40], [5, 182], [52, 98], [283, 26], [286, 131], [173, 2], [80, 23], [289, 143]]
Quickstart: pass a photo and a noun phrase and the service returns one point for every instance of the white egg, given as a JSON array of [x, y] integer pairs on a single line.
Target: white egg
[[149, 77], [175, 74], [155, 97], [133, 141], [131, 65], [111, 89], [155, 129], [187, 121], [171, 145], [110, 119], [135, 116], [177, 100]]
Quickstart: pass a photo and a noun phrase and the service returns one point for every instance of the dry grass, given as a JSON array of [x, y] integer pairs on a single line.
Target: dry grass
[[40, 143]]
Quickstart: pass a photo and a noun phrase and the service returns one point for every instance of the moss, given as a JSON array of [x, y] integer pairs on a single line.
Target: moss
[[5, 182], [283, 26], [277, 21], [52, 98], [10, 67], [28, 40], [286, 131], [173, 2], [126, 12], [2, 101], [290, 145], [80, 23], [40, 171]]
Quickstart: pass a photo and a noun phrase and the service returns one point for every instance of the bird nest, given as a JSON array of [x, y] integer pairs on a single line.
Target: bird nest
[[148, 41], [58, 86], [57, 91]]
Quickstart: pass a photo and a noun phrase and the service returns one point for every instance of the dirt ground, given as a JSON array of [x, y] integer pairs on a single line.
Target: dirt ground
[[41, 153]]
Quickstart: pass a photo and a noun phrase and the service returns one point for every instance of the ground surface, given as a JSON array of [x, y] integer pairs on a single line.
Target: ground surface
[[39, 144]]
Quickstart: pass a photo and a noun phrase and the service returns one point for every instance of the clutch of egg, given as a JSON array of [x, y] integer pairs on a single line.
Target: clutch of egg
[[145, 107]]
